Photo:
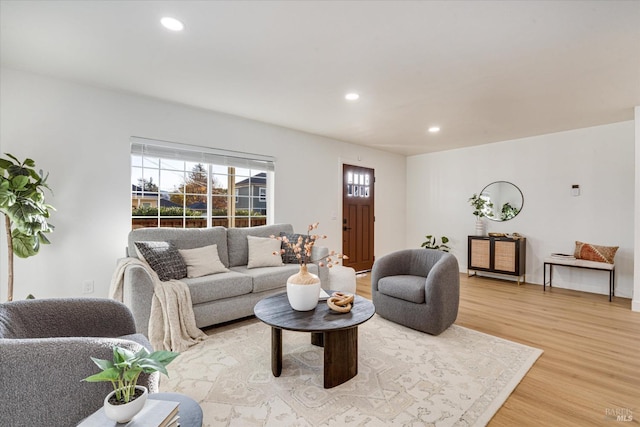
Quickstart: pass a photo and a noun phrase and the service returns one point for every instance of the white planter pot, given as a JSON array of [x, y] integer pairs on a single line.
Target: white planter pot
[[303, 290], [124, 413], [480, 230]]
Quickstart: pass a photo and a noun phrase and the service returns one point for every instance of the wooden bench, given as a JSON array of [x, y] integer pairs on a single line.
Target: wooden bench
[[578, 263]]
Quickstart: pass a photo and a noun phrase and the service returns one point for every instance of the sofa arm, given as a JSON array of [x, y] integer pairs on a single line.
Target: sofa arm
[[41, 379], [65, 317], [137, 295], [442, 286]]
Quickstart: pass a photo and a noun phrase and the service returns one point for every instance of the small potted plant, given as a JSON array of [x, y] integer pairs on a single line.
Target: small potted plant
[[128, 398], [431, 243], [481, 207]]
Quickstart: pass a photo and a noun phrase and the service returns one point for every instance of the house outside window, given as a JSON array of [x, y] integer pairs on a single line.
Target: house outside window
[[248, 193], [174, 187]]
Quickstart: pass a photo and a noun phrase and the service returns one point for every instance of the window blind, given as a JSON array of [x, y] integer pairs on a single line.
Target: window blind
[[194, 153]]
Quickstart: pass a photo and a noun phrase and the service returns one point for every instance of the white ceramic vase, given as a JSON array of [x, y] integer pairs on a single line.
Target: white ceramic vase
[[303, 290], [125, 412], [480, 230]]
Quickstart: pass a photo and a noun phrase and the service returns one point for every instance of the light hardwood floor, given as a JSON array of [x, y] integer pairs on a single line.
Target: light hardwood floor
[[590, 370]]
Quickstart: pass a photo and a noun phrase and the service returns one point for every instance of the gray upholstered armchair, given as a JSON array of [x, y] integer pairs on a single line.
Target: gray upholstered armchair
[[417, 288], [45, 350]]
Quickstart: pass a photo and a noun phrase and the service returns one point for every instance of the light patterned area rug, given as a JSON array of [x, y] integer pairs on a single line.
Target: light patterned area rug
[[405, 377]]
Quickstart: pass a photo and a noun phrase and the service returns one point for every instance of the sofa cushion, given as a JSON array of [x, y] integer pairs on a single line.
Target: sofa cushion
[[164, 259], [269, 278], [238, 246], [405, 287], [218, 286], [183, 238], [202, 261], [263, 252]]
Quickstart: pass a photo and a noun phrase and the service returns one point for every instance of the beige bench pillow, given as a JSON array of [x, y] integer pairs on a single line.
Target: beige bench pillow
[[598, 253]]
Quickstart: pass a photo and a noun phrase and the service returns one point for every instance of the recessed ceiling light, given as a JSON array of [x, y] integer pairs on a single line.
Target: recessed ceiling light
[[434, 129], [172, 24], [352, 96]]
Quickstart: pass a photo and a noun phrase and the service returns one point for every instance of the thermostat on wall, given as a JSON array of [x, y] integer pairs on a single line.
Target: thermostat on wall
[[575, 190]]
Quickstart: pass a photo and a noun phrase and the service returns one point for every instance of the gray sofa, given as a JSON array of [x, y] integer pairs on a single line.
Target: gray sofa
[[417, 288], [46, 347], [221, 297]]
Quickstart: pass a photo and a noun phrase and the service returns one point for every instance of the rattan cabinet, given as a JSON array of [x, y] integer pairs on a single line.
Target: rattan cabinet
[[501, 255]]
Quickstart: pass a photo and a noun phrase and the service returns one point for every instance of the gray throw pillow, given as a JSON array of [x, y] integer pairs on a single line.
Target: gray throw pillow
[[164, 258], [289, 257]]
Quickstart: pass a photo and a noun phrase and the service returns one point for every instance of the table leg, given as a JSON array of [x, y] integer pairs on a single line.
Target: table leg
[[611, 284], [317, 338], [276, 351], [340, 356]]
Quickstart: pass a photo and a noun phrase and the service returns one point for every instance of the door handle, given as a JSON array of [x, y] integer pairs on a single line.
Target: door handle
[[345, 228]]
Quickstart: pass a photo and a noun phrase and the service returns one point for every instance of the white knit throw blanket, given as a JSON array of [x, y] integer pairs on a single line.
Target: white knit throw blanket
[[172, 324]]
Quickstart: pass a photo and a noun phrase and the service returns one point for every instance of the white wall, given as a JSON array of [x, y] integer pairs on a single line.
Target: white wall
[[80, 134], [600, 159]]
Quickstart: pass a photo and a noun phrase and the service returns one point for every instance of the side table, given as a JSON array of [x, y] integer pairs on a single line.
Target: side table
[[188, 409]]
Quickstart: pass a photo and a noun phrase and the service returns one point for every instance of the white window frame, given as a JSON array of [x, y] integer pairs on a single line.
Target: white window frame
[[209, 157]]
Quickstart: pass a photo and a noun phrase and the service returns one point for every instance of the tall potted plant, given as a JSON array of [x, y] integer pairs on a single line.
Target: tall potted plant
[[481, 208], [26, 213]]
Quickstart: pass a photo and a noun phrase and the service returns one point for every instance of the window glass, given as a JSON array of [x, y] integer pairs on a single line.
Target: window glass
[[184, 193]]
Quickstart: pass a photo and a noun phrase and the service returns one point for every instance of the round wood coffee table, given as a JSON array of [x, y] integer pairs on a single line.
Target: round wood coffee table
[[336, 332]]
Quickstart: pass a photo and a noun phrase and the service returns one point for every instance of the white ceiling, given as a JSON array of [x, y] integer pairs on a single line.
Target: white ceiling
[[484, 71]]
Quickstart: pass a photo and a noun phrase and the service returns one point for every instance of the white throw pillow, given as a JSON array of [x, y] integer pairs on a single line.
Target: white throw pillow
[[261, 251], [202, 261]]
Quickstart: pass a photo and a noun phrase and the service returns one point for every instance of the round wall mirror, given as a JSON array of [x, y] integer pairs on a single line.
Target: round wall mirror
[[506, 198]]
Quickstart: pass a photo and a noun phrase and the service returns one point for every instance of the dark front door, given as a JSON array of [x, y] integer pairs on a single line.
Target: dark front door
[[358, 216]]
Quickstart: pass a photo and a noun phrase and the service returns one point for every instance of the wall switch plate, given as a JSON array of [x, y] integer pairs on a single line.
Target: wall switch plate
[[87, 287], [575, 190]]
